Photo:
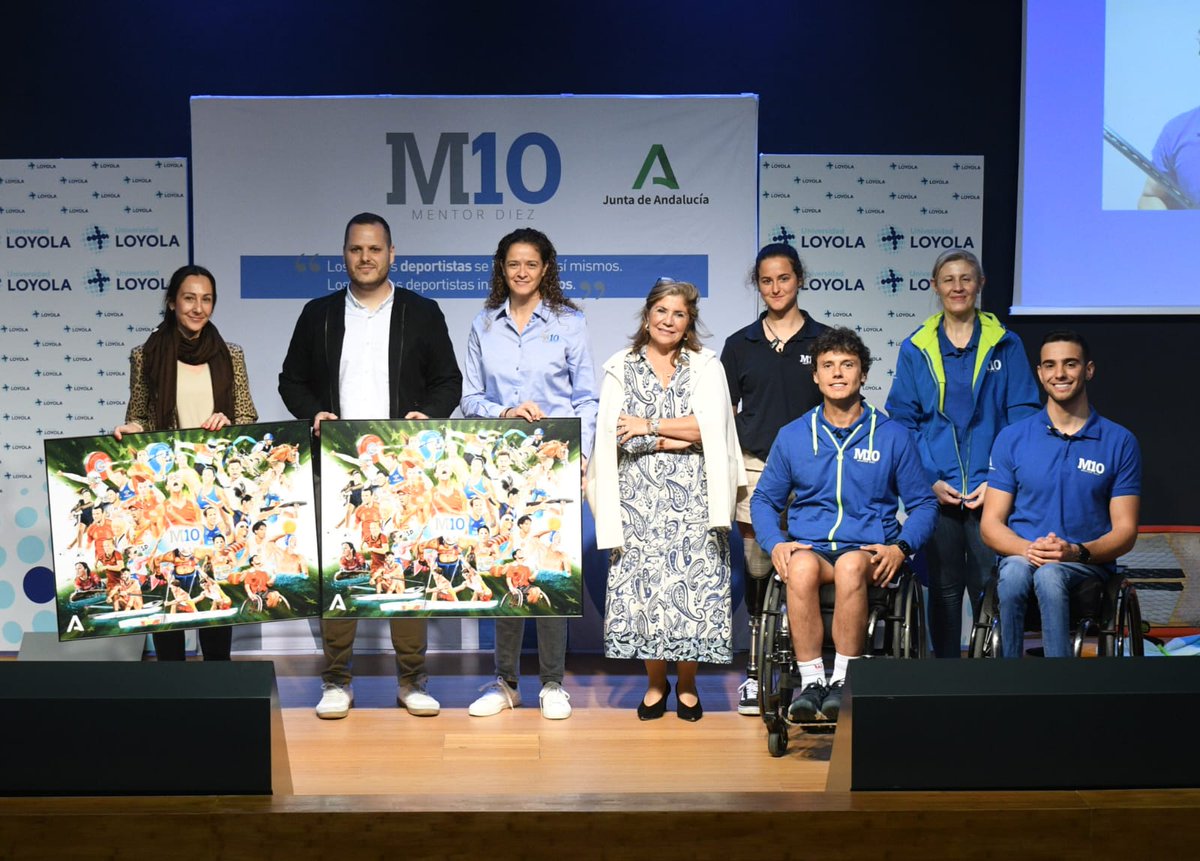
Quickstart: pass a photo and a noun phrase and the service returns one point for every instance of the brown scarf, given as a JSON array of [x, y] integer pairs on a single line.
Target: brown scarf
[[166, 346]]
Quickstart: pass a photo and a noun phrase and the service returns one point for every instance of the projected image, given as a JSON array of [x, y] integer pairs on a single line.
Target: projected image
[[1151, 105], [182, 529], [466, 517]]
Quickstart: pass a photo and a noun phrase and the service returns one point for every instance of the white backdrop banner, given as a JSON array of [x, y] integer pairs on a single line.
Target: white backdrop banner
[[868, 228], [88, 248], [628, 188]]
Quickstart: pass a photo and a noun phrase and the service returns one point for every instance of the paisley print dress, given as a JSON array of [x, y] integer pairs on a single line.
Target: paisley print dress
[[668, 591]]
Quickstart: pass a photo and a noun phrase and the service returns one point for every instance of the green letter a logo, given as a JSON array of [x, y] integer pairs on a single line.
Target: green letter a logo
[[657, 154]]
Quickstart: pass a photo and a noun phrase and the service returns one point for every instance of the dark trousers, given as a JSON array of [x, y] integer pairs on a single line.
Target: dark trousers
[[215, 644], [958, 560]]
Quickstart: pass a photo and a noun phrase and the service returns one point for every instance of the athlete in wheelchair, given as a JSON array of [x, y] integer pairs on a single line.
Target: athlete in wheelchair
[[840, 472], [1061, 506]]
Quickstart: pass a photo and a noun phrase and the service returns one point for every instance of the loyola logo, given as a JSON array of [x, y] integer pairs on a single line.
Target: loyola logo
[[657, 156]]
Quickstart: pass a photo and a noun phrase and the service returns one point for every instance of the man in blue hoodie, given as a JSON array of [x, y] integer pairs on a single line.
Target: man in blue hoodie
[[845, 468]]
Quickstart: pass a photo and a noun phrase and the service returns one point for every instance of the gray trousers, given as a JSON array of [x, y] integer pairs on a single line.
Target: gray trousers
[[552, 649]]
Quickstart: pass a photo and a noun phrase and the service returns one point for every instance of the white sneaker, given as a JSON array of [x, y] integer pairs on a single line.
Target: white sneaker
[[418, 702], [555, 702], [748, 697], [497, 697], [335, 701]]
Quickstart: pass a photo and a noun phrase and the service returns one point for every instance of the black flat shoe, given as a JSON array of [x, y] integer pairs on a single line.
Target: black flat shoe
[[655, 710], [688, 713]]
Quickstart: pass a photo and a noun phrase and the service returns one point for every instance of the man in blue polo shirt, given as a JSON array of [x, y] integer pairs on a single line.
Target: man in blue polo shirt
[[1062, 500], [839, 470]]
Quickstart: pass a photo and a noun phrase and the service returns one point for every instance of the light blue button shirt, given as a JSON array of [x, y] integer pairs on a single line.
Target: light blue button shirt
[[550, 363]]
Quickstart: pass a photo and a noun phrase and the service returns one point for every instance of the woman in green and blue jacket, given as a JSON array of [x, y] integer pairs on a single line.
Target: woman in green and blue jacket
[[960, 378]]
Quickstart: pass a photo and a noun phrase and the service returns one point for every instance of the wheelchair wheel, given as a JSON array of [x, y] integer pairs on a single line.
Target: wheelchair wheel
[[1129, 638], [774, 658], [985, 640], [910, 641], [985, 633], [777, 738]]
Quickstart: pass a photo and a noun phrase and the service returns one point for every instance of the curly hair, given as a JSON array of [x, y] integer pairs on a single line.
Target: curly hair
[[691, 300], [550, 288], [841, 340]]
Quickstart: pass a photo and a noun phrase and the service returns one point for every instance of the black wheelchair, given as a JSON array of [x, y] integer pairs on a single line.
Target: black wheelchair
[[895, 628], [1105, 609]]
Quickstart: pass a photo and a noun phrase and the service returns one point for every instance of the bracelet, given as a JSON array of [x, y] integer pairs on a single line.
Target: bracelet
[[652, 427]]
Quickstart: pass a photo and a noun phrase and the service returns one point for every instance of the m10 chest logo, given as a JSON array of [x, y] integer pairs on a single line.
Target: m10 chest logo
[[449, 158], [1091, 467], [866, 455]]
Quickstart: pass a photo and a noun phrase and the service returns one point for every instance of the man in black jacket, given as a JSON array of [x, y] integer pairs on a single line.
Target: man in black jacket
[[333, 369]]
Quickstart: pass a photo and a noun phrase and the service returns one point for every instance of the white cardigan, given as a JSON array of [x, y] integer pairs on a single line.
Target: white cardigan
[[713, 409]]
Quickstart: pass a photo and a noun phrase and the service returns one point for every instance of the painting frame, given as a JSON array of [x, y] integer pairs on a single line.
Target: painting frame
[[181, 529], [451, 518]]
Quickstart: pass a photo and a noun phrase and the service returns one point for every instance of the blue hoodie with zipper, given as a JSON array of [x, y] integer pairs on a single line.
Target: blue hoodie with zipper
[[845, 485], [1002, 388]]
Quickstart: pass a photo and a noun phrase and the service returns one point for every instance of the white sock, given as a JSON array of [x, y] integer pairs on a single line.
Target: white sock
[[811, 671], [840, 663]]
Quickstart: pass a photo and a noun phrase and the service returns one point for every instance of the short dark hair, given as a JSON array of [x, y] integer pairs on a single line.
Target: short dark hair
[[841, 340], [1071, 337], [366, 218]]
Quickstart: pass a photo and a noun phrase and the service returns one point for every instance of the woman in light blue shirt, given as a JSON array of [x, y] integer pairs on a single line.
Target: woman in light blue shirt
[[528, 358]]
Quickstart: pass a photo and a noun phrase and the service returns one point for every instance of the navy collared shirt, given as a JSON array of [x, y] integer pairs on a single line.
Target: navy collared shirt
[[959, 365], [772, 388]]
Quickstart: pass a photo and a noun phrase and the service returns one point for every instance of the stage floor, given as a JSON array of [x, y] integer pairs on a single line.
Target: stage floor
[[603, 747], [382, 784]]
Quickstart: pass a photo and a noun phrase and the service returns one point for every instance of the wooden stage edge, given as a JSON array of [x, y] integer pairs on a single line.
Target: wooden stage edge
[[382, 784], [1059, 825]]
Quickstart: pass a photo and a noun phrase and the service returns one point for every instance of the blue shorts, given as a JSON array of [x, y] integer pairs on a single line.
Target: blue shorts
[[832, 556]]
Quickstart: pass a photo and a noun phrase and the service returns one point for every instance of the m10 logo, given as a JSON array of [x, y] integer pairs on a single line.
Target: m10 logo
[[184, 536], [451, 146], [1092, 467]]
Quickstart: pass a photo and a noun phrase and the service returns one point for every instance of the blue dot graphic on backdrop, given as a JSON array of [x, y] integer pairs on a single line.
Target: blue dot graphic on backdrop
[[45, 622], [30, 549], [26, 517], [7, 594], [3, 556], [12, 632], [39, 585]]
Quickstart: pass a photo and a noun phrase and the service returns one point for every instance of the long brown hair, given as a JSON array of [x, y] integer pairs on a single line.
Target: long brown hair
[[550, 288]]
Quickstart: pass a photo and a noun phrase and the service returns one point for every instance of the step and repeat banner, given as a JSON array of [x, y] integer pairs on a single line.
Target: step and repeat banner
[[628, 189], [868, 229], [87, 249]]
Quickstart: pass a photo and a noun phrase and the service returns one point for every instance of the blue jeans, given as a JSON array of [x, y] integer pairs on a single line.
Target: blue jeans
[[552, 648], [1052, 583], [958, 559]]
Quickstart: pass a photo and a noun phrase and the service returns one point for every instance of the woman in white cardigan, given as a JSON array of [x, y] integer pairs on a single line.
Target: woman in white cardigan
[[662, 484]]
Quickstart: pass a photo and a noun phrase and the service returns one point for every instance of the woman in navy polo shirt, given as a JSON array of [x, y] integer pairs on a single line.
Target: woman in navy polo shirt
[[960, 378], [770, 378]]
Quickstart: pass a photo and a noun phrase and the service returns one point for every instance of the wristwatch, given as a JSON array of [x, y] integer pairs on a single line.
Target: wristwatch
[[905, 548], [1085, 555]]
